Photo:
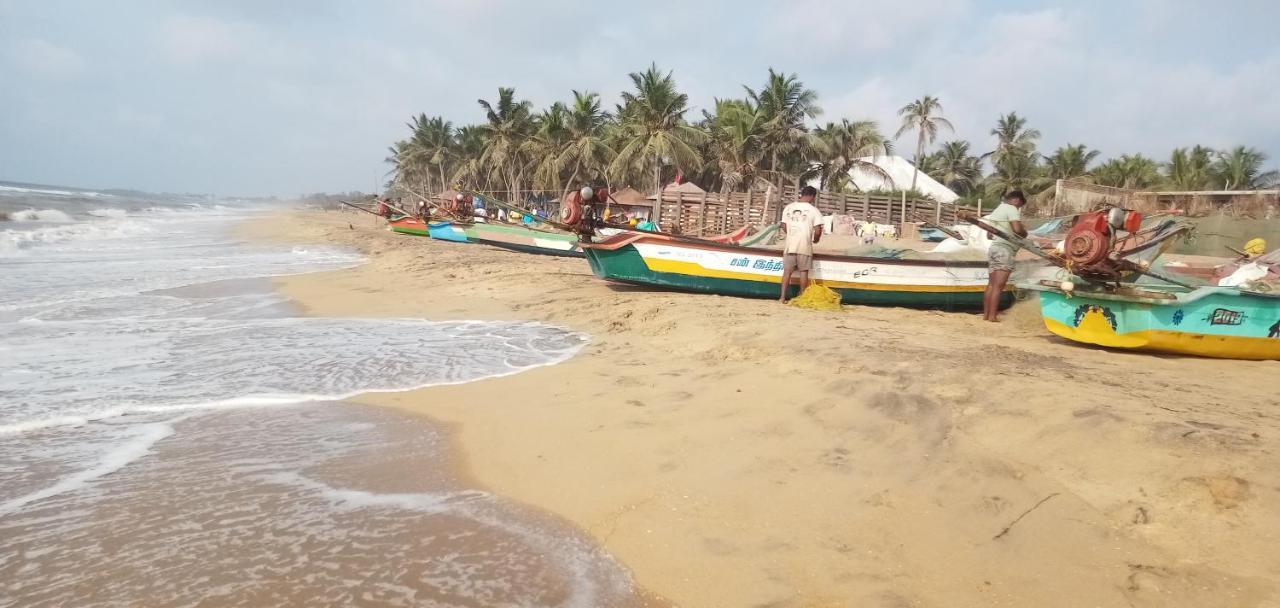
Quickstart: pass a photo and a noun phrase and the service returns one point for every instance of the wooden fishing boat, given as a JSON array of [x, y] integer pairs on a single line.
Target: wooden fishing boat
[[1209, 321], [728, 269], [525, 239], [448, 231], [408, 225]]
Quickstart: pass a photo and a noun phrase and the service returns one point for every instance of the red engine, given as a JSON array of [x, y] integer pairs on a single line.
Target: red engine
[[461, 204], [571, 209], [577, 209], [1089, 240], [1092, 240]]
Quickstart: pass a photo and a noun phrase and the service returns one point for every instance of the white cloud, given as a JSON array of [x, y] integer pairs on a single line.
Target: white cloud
[[836, 26], [43, 59], [284, 99], [1052, 68], [875, 97]]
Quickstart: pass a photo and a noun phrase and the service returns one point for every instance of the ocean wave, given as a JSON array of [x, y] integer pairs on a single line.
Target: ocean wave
[[38, 215], [227, 364], [254, 401], [13, 240], [51, 192], [139, 445], [109, 212]]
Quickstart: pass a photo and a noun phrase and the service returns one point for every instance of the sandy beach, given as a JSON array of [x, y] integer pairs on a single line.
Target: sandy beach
[[734, 452]]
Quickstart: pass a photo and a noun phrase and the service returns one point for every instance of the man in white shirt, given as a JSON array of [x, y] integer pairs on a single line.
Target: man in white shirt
[[1008, 218], [802, 225]]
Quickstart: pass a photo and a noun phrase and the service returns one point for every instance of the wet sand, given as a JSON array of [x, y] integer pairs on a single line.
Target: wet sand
[[321, 504], [735, 452], [310, 504]]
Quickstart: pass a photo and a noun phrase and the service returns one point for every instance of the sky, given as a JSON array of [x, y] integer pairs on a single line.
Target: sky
[[246, 97]]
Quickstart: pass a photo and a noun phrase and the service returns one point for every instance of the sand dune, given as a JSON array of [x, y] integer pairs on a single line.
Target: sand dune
[[741, 453]]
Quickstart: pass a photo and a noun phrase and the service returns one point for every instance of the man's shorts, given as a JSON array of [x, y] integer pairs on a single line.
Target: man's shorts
[[796, 261], [1000, 257]]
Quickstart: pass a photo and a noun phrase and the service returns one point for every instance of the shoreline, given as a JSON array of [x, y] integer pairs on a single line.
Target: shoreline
[[763, 455]]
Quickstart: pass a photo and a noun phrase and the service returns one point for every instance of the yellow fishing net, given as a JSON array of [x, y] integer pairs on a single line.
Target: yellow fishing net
[[817, 297], [1255, 247]]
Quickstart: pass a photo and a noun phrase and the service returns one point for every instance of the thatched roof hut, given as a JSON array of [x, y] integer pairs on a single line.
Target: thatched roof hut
[[688, 189], [631, 197]]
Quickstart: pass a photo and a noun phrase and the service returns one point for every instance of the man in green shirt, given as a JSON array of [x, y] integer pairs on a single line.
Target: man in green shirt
[[1008, 218]]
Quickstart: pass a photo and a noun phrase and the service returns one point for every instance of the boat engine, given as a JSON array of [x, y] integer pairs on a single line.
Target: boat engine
[[578, 211], [461, 206], [1091, 243]]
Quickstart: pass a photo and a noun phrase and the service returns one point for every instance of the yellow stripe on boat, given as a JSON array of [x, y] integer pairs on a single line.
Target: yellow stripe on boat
[[698, 270], [1091, 331]]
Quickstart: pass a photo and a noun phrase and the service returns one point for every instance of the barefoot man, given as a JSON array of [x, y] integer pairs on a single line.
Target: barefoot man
[[802, 225], [1008, 218]]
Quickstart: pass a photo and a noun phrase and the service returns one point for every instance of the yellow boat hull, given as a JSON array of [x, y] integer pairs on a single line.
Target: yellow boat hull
[[1212, 322]]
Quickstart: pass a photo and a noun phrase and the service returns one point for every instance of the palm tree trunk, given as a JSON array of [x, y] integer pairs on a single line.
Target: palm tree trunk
[[572, 179], [773, 170], [510, 179], [657, 188], [919, 152]]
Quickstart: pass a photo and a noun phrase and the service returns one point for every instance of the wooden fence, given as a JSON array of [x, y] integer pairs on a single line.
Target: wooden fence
[[1076, 197], [711, 213]]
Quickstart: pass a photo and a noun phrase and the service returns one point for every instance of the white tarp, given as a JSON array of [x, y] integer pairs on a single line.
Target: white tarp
[[899, 171], [976, 239]]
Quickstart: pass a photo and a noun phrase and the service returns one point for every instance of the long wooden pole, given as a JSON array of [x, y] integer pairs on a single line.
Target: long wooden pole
[[447, 211], [355, 206]]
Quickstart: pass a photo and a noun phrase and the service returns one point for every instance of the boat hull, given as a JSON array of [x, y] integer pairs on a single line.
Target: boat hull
[[409, 226], [1211, 322], [757, 273], [525, 240], [447, 231]]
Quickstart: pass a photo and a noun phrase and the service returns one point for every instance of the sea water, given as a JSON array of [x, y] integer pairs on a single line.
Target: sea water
[[171, 431]]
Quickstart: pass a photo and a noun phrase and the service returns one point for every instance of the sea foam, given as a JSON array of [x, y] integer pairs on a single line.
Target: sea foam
[[39, 215]]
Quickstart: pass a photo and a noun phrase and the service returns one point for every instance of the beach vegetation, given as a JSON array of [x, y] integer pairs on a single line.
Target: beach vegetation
[[766, 138]]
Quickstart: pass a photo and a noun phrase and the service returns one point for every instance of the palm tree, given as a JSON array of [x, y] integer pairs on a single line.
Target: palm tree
[[1190, 169], [1241, 169], [509, 122], [654, 132], [735, 140], [587, 150], [1070, 162], [544, 146], [1013, 139], [470, 144], [924, 116], [432, 141], [1131, 171], [954, 167], [1017, 172], [404, 167], [783, 105], [841, 148]]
